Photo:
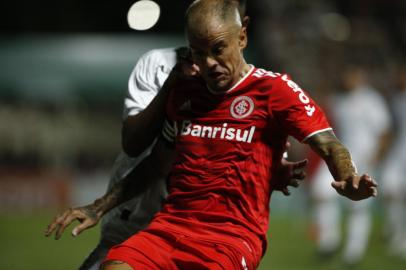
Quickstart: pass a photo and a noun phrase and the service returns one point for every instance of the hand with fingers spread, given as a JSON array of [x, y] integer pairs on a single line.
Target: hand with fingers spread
[[356, 187], [289, 174], [86, 215]]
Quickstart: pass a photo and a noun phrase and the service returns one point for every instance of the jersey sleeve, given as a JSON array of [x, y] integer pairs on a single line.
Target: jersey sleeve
[[295, 111], [146, 80]]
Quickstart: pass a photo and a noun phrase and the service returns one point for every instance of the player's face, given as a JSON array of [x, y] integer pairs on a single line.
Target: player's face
[[217, 52]]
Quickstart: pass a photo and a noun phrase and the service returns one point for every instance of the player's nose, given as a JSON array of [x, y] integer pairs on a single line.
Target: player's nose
[[210, 62]]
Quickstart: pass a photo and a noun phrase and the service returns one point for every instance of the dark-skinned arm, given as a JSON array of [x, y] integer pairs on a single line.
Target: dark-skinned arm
[[140, 130], [136, 182], [338, 159]]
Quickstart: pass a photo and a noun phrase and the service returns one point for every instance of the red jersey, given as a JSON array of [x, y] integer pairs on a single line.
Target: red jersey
[[227, 145]]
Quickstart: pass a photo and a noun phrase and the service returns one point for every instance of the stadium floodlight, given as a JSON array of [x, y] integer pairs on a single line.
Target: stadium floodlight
[[143, 15]]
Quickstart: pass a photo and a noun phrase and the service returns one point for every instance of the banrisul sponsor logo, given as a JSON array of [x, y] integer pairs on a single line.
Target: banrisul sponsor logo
[[223, 132]]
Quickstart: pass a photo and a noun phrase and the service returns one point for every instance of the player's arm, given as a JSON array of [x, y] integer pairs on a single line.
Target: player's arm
[[155, 166], [141, 129], [136, 182], [141, 123], [303, 119], [338, 159]]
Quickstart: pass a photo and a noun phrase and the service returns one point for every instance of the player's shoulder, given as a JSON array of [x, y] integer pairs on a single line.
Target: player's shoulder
[[164, 56], [153, 63], [159, 53], [264, 75], [274, 81]]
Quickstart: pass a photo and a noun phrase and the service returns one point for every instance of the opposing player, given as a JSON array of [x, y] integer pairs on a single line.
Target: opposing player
[[146, 80], [365, 132], [394, 170]]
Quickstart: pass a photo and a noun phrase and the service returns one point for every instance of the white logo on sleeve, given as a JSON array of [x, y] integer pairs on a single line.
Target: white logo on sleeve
[[310, 109], [302, 96], [263, 73], [241, 107]]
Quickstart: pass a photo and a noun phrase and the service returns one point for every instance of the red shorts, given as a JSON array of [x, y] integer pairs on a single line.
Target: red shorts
[[168, 249]]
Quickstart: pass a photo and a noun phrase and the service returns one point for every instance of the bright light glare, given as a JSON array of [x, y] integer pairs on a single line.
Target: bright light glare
[[143, 15]]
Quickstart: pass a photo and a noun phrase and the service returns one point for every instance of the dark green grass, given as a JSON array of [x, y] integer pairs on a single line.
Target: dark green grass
[[291, 248], [23, 246]]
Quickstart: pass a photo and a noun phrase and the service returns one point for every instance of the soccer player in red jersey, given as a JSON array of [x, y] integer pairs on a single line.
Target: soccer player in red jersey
[[222, 136], [222, 140]]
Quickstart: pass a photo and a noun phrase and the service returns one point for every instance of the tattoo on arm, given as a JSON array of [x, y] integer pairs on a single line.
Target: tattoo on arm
[[149, 121], [125, 189], [91, 212], [334, 153], [139, 179], [109, 200]]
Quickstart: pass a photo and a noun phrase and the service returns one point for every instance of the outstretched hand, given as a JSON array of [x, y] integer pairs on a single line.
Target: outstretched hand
[[289, 174], [356, 187], [86, 215]]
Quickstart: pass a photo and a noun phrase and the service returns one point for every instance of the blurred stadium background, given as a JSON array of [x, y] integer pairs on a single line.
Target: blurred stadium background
[[63, 75]]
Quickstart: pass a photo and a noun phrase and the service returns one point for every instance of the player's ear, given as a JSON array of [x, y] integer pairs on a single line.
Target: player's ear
[[245, 21], [242, 42]]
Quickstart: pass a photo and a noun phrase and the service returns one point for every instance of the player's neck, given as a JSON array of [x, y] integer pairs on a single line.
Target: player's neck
[[245, 68], [243, 73]]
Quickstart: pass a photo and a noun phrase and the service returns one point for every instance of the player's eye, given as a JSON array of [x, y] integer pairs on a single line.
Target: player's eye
[[218, 50]]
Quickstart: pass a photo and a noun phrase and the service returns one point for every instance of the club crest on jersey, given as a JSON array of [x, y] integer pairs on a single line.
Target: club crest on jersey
[[241, 107]]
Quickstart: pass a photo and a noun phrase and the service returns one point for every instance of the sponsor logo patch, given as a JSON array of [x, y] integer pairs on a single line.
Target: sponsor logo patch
[[223, 132]]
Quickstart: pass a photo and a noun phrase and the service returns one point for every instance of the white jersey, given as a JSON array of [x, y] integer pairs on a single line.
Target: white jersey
[[395, 165], [360, 117], [399, 107], [146, 80]]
